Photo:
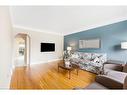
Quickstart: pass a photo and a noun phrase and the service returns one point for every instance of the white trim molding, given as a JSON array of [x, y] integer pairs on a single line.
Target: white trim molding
[[36, 30], [42, 62], [115, 20]]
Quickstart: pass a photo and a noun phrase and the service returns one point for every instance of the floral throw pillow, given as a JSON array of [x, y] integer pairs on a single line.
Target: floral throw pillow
[[75, 55], [96, 60]]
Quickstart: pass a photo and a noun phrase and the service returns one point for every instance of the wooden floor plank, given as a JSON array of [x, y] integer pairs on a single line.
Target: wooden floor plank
[[46, 76]]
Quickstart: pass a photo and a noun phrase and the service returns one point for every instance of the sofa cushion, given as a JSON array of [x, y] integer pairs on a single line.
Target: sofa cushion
[[96, 60], [85, 56], [113, 66], [125, 68], [94, 55], [75, 55], [101, 56], [75, 60]]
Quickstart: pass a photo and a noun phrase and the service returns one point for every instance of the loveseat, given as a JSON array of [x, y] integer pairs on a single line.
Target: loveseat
[[92, 62], [114, 77]]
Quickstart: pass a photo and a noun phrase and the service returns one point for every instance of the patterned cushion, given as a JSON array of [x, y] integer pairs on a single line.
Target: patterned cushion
[[75, 55], [101, 56], [75, 60], [83, 61], [95, 55], [85, 56], [96, 60]]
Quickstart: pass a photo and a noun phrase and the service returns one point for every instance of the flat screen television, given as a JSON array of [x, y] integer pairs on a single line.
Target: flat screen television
[[47, 47]]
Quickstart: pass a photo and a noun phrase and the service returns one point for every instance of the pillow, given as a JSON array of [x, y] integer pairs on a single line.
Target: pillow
[[102, 57], [106, 71], [96, 60], [94, 55], [113, 66], [86, 56], [102, 60], [75, 55]]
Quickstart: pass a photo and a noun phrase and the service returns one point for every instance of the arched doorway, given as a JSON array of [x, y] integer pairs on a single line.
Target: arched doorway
[[22, 50]]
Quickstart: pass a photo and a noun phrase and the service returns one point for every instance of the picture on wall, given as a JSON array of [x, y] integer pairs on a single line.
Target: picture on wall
[[90, 43]]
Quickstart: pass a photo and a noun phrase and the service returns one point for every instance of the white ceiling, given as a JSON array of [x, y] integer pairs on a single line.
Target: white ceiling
[[66, 19]]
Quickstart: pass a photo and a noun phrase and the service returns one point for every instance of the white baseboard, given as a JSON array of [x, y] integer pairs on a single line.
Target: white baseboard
[[42, 62]]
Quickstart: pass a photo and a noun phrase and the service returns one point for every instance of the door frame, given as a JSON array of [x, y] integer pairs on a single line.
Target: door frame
[[27, 55]]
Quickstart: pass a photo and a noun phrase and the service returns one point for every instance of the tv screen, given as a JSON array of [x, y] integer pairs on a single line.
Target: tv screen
[[47, 47]]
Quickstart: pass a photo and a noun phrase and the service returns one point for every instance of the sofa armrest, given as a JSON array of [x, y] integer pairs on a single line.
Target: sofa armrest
[[108, 82], [125, 83], [113, 66], [116, 75]]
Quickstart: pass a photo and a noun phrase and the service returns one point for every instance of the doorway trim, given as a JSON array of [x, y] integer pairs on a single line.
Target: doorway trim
[[27, 55]]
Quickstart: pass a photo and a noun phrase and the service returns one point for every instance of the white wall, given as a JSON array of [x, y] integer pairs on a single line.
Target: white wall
[[5, 48], [36, 39]]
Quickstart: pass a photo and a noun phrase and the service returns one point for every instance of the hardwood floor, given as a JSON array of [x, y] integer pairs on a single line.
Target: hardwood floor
[[46, 76]]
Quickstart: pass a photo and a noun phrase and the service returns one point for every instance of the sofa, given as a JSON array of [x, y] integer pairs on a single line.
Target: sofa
[[114, 77], [92, 62], [116, 70], [106, 82]]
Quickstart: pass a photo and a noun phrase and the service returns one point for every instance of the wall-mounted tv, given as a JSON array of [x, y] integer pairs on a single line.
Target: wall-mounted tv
[[47, 47]]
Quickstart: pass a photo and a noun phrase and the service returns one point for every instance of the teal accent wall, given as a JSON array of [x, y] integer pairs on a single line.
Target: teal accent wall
[[111, 37]]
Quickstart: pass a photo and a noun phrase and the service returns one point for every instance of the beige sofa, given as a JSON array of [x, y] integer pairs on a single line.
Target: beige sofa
[[114, 76]]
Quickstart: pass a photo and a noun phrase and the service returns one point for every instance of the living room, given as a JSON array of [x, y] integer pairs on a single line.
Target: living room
[[63, 47]]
